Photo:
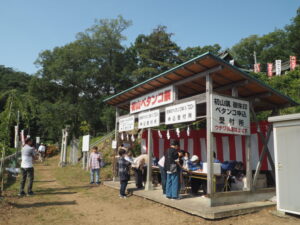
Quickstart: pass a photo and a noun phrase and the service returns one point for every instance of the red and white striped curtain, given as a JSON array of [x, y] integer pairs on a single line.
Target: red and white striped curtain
[[227, 147]]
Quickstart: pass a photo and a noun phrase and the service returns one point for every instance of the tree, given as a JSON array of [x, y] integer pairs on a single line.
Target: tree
[[155, 53], [294, 34], [192, 52]]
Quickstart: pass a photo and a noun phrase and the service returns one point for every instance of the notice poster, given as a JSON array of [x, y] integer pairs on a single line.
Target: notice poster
[[181, 113], [230, 115], [126, 124], [278, 67], [86, 143], [149, 119], [154, 99]]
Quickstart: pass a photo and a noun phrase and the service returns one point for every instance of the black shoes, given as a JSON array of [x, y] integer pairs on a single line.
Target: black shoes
[[30, 193], [22, 194]]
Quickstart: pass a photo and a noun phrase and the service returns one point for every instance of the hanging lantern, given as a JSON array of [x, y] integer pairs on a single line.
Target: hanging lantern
[[168, 134], [178, 132], [188, 131], [127, 137], [159, 134]]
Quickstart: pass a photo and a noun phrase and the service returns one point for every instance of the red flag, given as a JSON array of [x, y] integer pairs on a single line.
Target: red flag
[[257, 68], [270, 68], [293, 62]]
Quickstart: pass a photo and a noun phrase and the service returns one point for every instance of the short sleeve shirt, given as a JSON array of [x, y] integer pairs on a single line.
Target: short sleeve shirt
[[27, 153]]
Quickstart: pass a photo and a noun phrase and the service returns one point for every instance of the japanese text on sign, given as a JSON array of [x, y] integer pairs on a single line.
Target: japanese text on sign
[[181, 113], [126, 124], [152, 100], [85, 143], [229, 115], [149, 119]]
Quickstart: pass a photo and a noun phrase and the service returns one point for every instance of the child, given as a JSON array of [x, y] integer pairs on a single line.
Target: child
[[94, 165], [123, 172]]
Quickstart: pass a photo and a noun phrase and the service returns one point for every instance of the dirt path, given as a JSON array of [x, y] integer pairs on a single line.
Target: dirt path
[[63, 197]]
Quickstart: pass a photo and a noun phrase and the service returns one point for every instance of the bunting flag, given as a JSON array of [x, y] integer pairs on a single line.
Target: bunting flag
[[257, 68], [188, 131], [178, 132], [227, 147], [270, 69], [293, 62], [168, 134], [159, 134], [132, 138], [122, 136]]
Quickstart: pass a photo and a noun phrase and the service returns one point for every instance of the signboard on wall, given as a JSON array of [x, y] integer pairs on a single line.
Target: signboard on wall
[[230, 115], [149, 119], [154, 99], [126, 124], [86, 143], [181, 113]]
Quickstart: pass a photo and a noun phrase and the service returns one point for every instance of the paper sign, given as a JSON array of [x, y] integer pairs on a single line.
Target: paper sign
[[149, 119], [126, 124], [181, 113], [86, 143], [230, 115]]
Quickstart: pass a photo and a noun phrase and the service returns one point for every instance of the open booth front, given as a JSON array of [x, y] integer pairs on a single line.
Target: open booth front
[[210, 106]]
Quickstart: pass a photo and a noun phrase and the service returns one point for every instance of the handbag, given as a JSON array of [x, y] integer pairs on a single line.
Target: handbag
[[173, 168]]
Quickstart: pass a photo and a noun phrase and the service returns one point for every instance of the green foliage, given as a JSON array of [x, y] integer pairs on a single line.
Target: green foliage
[[155, 53], [192, 52]]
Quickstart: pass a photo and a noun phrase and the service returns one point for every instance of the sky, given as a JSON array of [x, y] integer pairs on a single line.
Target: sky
[[32, 26]]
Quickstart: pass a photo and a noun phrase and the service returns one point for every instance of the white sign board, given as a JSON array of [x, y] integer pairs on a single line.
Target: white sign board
[[149, 119], [38, 139], [86, 143], [278, 67], [181, 113], [154, 99], [230, 115], [126, 124], [113, 144]]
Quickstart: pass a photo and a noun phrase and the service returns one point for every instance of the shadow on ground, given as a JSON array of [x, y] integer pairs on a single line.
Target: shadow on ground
[[42, 204]]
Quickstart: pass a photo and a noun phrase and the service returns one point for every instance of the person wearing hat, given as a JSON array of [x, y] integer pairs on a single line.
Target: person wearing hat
[[42, 151], [195, 165], [172, 167]]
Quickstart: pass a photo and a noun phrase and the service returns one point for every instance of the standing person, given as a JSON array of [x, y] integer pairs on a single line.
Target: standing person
[[27, 170], [163, 173], [139, 167], [123, 172], [172, 168], [94, 165], [42, 151]]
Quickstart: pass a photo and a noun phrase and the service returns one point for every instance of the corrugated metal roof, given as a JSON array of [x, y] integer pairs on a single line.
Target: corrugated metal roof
[[229, 74]]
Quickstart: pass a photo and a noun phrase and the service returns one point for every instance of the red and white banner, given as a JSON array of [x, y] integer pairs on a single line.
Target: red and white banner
[[228, 147], [154, 99], [293, 62], [270, 69], [257, 68]]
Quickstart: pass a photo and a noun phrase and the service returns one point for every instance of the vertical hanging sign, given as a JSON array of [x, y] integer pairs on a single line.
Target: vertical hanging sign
[[293, 62], [278, 67], [270, 69], [86, 143]]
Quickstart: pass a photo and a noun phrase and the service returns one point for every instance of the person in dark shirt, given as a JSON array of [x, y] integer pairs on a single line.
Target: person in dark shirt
[[172, 168], [123, 172]]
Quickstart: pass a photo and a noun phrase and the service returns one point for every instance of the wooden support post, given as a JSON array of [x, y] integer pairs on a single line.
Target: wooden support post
[[210, 169], [116, 140], [149, 185], [62, 148], [262, 156], [262, 137], [248, 164]]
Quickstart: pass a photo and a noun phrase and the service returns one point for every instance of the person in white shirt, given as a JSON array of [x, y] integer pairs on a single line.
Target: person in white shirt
[[139, 167], [27, 170], [42, 152]]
